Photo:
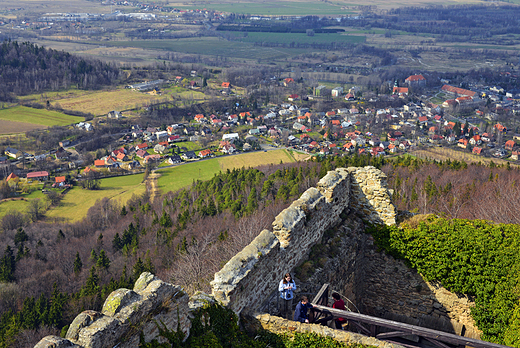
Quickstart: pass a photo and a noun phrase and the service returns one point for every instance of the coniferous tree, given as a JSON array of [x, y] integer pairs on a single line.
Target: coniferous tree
[[60, 236], [117, 243], [148, 265], [252, 203], [42, 309], [166, 220], [91, 284], [102, 261], [7, 265], [28, 314], [93, 256], [78, 265], [138, 269], [20, 236], [58, 301]]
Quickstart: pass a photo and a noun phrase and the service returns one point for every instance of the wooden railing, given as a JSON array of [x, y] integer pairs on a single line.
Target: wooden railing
[[393, 331]]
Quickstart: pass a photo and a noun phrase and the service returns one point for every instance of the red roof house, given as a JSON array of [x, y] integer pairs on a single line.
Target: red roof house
[[415, 79], [11, 176], [38, 175]]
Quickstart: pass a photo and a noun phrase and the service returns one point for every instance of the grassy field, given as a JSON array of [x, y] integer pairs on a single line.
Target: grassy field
[[281, 8], [25, 116], [444, 153], [175, 178], [189, 145], [77, 201], [21, 203], [100, 103], [287, 38], [213, 46]]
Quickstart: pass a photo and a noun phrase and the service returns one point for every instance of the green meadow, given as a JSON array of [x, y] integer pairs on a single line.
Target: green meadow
[[77, 201], [21, 203], [42, 117], [302, 38], [175, 178]]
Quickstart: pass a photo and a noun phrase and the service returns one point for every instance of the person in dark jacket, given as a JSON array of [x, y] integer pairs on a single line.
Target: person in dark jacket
[[300, 313]]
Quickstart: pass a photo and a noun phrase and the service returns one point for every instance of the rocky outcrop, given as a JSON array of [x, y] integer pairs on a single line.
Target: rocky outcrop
[[125, 314]]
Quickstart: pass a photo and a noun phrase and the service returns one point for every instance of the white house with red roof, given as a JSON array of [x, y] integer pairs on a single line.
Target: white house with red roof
[[415, 80]]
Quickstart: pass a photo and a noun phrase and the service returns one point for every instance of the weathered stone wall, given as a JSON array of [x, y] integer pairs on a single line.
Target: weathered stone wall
[[382, 286], [125, 314], [369, 196], [282, 326], [254, 273], [394, 291]]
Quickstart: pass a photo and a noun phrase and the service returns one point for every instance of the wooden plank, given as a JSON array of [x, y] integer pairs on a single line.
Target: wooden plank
[[411, 329], [361, 327], [323, 291], [390, 334], [437, 343]]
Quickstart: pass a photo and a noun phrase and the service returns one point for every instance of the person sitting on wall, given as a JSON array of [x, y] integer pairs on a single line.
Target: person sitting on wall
[[339, 304], [300, 313], [286, 288]]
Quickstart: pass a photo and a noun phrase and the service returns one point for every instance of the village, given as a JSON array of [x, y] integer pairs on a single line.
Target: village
[[357, 127]]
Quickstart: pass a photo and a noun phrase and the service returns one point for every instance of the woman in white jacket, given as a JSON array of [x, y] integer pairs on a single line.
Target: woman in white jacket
[[286, 288]]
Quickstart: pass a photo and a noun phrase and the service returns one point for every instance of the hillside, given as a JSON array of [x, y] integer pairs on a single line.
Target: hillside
[[28, 68], [205, 225]]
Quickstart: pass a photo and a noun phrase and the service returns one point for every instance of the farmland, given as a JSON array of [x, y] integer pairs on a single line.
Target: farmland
[[287, 38], [20, 119], [100, 103], [282, 8], [213, 46], [175, 178], [12, 127], [77, 201]]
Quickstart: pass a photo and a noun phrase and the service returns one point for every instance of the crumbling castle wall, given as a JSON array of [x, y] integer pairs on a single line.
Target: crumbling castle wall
[[254, 273]]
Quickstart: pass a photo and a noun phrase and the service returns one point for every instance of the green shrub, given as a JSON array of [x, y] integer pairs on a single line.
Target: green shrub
[[472, 257]]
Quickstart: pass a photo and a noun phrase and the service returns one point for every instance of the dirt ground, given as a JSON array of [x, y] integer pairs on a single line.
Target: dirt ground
[[11, 127]]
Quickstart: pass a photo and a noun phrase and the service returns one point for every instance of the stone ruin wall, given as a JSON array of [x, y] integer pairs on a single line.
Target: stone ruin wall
[[253, 274], [393, 291]]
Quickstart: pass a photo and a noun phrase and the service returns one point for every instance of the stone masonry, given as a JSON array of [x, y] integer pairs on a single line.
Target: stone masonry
[[254, 273]]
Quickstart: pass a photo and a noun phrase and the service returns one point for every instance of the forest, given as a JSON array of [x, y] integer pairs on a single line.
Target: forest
[[51, 272], [462, 23], [28, 68]]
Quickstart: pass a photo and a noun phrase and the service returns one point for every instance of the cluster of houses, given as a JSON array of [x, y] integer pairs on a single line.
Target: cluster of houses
[[338, 131]]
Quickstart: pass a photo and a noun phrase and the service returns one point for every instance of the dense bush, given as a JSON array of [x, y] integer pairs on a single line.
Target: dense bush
[[472, 257]]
